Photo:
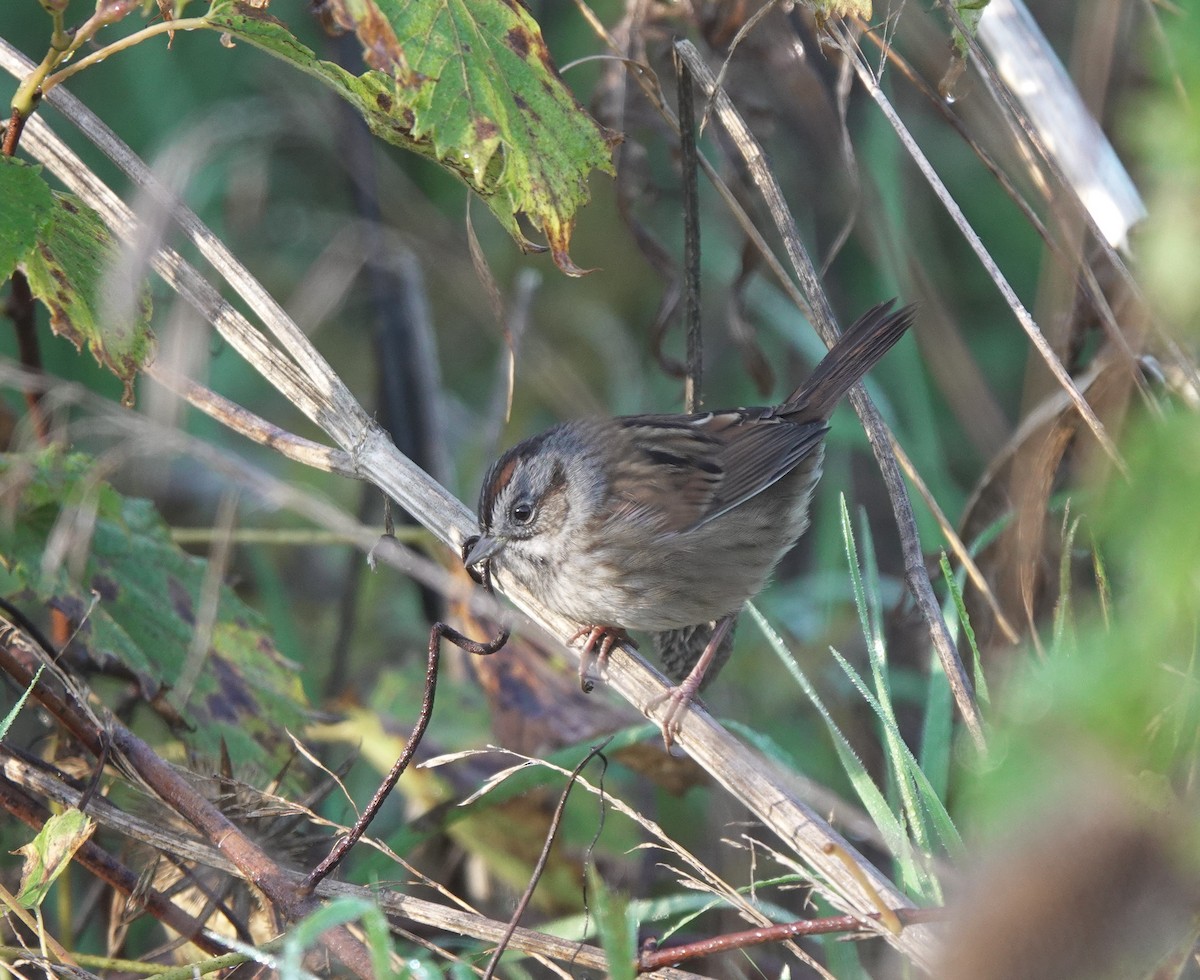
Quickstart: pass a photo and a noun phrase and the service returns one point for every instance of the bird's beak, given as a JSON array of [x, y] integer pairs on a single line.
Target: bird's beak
[[483, 549]]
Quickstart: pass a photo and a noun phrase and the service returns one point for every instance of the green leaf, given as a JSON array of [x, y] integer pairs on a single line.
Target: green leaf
[[617, 933], [470, 85], [69, 270], [870, 612], [960, 606], [49, 853], [970, 11], [1064, 609], [931, 804], [937, 729], [133, 594], [26, 204], [344, 909]]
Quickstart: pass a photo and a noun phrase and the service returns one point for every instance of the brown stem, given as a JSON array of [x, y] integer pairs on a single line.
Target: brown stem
[[437, 633], [251, 861], [12, 133], [657, 959], [20, 306], [543, 858], [20, 309], [691, 238]]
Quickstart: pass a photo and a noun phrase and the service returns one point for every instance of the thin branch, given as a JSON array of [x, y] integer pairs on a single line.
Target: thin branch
[[648, 83], [851, 50], [543, 858], [851, 924], [123, 44], [255, 428], [693, 384], [1084, 277], [436, 634], [957, 546]]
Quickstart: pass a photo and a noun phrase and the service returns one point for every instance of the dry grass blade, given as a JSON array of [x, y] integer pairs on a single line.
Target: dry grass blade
[[1036, 337], [158, 834], [957, 546], [692, 873]]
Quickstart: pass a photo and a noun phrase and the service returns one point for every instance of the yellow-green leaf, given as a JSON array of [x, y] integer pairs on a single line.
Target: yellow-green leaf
[[26, 204], [49, 853], [470, 85]]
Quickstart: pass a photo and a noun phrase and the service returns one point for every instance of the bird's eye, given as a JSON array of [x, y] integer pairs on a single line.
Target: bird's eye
[[522, 512]]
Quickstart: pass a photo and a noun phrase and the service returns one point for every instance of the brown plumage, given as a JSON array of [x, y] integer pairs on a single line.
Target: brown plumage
[[668, 522]]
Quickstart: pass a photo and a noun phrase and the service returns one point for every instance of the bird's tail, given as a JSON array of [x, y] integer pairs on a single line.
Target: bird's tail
[[857, 351]]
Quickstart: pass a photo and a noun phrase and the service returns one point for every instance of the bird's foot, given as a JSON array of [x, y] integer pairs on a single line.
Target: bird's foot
[[683, 695], [598, 642], [678, 699]]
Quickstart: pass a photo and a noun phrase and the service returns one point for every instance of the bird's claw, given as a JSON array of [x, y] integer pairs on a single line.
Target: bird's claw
[[607, 637], [680, 698], [598, 642]]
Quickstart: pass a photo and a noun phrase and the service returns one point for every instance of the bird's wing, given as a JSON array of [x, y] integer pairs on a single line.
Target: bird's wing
[[681, 471]]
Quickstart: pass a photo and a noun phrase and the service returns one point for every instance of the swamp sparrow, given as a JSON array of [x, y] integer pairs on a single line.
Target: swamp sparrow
[[667, 523]]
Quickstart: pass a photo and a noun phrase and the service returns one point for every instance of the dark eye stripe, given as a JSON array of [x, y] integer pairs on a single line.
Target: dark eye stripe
[[501, 474]]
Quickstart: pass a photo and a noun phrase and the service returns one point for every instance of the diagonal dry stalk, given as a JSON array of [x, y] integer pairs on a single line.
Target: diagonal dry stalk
[[877, 433], [298, 371], [21, 662], [159, 835]]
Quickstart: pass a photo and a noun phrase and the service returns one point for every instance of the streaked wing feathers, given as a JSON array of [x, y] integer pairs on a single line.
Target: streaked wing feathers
[[670, 473], [762, 452], [689, 470]]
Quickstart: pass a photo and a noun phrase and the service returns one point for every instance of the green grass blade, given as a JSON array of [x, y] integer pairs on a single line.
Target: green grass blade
[[870, 614], [960, 607], [932, 803], [9, 718], [872, 799]]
